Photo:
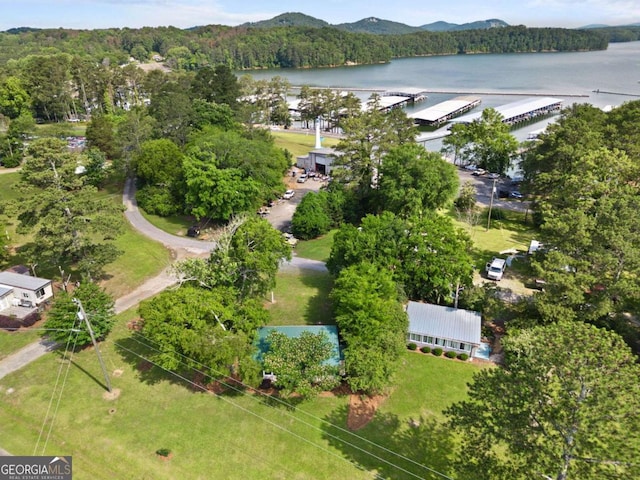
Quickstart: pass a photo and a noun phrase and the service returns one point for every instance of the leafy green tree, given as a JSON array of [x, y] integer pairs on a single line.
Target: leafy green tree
[[429, 257], [159, 168], [586, 198], [300, 364], [368, 137], [311, 218], [247, 258], [73, 225], [13, 144], [101, 134], [372, 323], [218, 85], [14, 99], [217, 193], [193, 327], [63, 320], [564, 406], [414, 181], [466, 202], [486, 141]]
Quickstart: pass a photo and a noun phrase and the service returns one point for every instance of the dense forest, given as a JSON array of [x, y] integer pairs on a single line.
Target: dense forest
[[283, 47]]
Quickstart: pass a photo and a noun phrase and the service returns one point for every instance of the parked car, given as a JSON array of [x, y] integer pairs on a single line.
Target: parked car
[[291, 240], [478, 172], [516, 194], [493, 176], [302, 178], [471, 168], [288, 194]]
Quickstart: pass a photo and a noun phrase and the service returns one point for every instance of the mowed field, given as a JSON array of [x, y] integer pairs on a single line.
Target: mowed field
[[232, 435]]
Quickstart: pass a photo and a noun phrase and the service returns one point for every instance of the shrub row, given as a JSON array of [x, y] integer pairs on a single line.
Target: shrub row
[[438, 352]]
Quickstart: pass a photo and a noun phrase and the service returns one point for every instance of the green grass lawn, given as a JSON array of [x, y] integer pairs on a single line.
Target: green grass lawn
[[229, 436], [301, 299], [13, 341], [174, 224], [300, 143], [316, 249], [510, 232]]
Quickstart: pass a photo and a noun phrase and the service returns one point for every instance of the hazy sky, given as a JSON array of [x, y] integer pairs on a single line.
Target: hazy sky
[[89, 14]]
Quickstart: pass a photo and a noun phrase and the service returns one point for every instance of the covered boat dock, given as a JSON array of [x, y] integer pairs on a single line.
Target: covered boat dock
[[520, 111], [445, 111]]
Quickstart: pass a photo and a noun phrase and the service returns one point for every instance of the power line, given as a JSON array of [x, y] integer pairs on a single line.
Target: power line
[[288, 405], [55, 387], [300, 437]]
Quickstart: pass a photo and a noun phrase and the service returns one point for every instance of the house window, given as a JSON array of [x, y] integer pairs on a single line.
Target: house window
[[25, 295], [40, 293], [463, 346], [415, 337], [428, 339], [439, 342], [453, 344]]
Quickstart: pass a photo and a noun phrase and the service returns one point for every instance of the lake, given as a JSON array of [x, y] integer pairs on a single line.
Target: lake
[[581, 77]]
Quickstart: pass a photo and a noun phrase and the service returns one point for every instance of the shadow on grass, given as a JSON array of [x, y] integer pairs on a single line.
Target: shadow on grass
[[319, 310], [100, 383], [394, 448], [141, 357]]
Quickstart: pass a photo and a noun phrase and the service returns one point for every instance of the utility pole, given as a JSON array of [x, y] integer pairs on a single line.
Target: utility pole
[[82, 315], [493, 192]]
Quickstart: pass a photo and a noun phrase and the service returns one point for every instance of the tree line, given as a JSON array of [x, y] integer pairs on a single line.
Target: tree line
[[282, 47]]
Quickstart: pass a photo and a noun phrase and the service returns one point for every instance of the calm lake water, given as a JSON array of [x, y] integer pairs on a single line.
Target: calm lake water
[[497, 78]]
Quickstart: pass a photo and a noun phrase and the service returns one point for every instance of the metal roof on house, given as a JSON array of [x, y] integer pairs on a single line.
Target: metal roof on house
[[517, 109], [26, 282], [444, 322], [294, 331], [5, 291]]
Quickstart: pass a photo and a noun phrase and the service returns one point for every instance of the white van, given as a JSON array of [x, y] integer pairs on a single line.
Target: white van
[[495, 268]]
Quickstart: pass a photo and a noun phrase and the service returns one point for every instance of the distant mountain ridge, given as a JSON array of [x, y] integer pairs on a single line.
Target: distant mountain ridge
[[373, 25]]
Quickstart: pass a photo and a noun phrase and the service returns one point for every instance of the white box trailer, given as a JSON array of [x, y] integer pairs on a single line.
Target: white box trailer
[[495, 268]]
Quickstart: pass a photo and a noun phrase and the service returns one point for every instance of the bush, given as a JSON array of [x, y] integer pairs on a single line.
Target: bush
[[311, 219], [437, 351], [463, 356], [412, 346], [450, 354], [163, 452], [157, 201], [425, 349]]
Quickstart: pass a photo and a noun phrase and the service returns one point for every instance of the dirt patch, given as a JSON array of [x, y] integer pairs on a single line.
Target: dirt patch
[[362, 409], [112, 395], [144, 366]]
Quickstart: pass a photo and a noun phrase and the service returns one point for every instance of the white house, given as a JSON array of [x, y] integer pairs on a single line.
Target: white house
[[445, 327], [23, 290]]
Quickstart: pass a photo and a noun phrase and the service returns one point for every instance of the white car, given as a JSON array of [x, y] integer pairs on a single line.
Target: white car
[[288, 194]]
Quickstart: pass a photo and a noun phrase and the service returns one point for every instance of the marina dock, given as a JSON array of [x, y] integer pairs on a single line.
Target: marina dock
[[443, 112], [520, 111]]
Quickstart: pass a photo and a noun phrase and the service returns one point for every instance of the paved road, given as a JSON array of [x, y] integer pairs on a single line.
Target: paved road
[[154, 285]]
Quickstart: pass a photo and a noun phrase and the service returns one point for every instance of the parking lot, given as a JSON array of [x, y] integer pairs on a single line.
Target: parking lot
[[484, 185], [282, 211]]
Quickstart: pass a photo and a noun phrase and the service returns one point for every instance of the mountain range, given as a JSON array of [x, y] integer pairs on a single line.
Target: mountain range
[[371, 24]]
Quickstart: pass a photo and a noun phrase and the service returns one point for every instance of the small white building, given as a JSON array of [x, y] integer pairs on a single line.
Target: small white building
[[445, 327], [23, 290], [319, 160]]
